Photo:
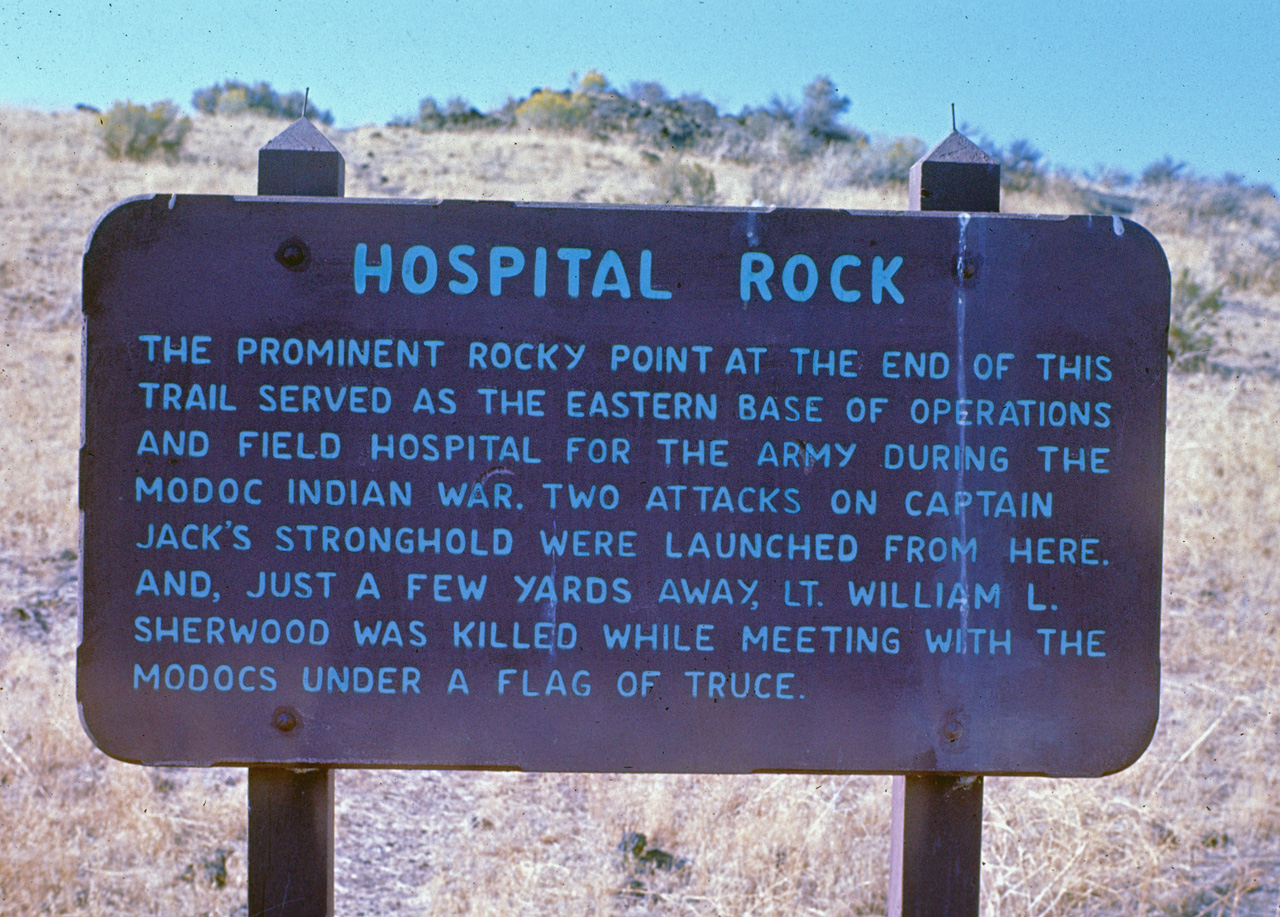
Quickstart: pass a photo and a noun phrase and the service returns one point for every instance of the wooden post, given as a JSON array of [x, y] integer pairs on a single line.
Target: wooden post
[[957, 176], [301, 162], [936, 844], [290, 842], [291, 809]]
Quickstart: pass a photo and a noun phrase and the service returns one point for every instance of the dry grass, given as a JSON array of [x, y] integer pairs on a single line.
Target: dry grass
[[87, 834], [1192, 829]]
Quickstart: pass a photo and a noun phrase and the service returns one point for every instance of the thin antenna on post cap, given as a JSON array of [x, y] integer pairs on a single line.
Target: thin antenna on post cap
[[953, 115], [306, 97]]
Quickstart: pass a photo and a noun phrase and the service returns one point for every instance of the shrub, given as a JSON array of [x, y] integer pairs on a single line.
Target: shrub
[[885, 161], [1254, 265], [594, 106], [592, 82], [648, 92], [649, 113], [1020, 168], [676, 124], [1163, 172], [783, 128], [233, 97], [685, 183], [457, 113], [430, 116], [822, 108], [551, 110], [785, 187], [1191, 325], [138, 132]]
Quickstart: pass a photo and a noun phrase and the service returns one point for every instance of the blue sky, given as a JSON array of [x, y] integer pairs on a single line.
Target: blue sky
[[1117, 83]]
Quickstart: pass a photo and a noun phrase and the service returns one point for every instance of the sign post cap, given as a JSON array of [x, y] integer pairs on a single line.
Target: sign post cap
[[956, 147], [301, 135], [955, 175], [301, 162]]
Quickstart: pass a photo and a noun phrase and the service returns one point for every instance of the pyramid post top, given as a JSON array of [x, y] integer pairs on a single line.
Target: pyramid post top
[[300, 161], [956, 147], [956, 175], [301, 135]]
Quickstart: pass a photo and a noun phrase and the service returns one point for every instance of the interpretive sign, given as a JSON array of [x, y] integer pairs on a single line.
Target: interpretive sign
[[620, 488]]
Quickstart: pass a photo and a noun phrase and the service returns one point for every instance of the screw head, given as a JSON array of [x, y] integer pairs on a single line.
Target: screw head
[[953, 730], [284, 719], [967, 267], [293, 254]]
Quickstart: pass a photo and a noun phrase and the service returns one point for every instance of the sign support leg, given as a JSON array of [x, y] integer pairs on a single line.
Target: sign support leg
[[290, 842], [291, 809], [935, 859], [936, 853]]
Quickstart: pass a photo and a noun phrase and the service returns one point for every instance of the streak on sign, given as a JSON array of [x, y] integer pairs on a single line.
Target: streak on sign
[[615, 488]]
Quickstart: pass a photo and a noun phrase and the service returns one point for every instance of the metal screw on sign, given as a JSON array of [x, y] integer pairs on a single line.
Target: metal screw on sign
[[293, 255], [285, 720]]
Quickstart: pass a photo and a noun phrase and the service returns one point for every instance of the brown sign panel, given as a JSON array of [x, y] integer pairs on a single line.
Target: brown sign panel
[[614, 488]]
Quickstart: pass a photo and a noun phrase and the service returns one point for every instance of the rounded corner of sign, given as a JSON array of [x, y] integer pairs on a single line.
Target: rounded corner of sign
[[1128, 760], [1127, 755], [117, 207], [1123, 226], [103, 741]]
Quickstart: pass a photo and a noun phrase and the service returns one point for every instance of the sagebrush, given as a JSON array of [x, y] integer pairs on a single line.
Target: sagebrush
[[233, 97], [139, 132], [1193, 315]]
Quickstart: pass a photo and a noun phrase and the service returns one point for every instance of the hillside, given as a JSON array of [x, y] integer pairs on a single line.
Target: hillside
[[1193, 828]]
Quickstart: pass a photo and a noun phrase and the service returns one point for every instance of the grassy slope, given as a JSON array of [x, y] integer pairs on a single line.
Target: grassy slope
[[1187, 830]]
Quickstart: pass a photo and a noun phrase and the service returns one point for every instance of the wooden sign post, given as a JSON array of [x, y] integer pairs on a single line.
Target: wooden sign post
[[936, 844], [291, 810]]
